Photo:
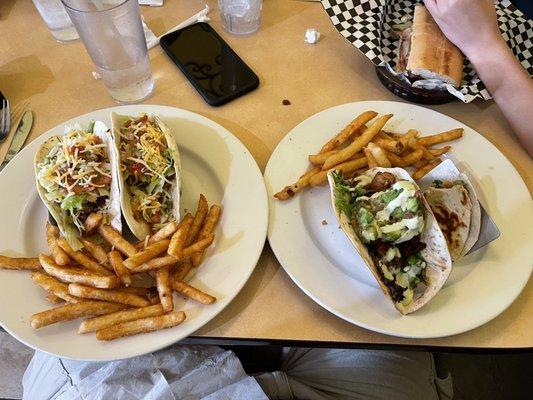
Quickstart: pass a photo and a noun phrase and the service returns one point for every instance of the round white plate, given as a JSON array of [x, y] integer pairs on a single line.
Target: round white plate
[[305, 237], [214, 162]]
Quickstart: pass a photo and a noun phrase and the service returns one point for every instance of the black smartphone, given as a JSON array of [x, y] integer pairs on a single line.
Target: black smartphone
[[213, 68]]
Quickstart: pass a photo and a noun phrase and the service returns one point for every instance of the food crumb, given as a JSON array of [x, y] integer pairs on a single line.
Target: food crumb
[[286, 102], [324, 222]]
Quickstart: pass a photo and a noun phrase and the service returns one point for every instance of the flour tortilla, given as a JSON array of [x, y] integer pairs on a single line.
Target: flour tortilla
[[68, 230], [141, 228], [436, 254]]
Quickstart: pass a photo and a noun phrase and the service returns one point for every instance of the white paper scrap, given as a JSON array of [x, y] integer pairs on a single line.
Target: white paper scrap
[[152, 3], [311, 36]]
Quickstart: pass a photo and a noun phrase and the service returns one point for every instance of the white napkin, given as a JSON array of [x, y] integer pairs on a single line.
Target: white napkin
[[153, 3]]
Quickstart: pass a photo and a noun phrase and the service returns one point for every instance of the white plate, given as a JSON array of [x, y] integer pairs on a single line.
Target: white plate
[[322, 262], [214, 163]]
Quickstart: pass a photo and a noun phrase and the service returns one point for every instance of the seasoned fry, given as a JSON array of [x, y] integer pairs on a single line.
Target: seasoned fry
[[395, 159], [210, 223], [413, 144], [68, 312], [156, 263], [52, 298], [420, 164], [111, 295], [386, 136], [93, 221], [441, 137], [53, 286], [139, 291], [346, 167], [319, 159], [148, 324], [115, 239], [348, 131], [81, 258], [52, 233], [153, 296], [115, 259], [439, 152], [412, 157], [357, 144], [19, 263], [151, 251], [77, 275], [372, 162], [105, 321], [419, 173], [302, 182], [192, 293], [394, 146], [165, 232], [379, 155], [404, 139], [143, 243], [181, 271], [98, 253], [198, 221], [175, 248], [162, 279]]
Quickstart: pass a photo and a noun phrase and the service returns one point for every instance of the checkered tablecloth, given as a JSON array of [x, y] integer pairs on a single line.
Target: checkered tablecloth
[[368, 25]]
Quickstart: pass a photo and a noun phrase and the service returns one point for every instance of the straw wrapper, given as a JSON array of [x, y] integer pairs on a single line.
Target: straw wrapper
[[370, 24]]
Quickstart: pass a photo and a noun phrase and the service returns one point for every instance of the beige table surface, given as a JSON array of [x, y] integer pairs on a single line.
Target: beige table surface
[[57, 80]]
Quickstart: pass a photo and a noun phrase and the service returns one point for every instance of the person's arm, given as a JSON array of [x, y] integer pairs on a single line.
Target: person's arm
[[472, 26]]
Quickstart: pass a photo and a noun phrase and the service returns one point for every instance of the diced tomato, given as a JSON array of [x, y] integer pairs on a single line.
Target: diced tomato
[[156, 217], [137, 168], [97, 140], [143, 119]]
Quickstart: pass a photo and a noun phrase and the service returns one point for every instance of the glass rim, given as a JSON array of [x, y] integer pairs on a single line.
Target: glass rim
[[93, 11]]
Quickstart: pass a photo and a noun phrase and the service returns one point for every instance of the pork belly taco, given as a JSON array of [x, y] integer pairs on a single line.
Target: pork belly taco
[[76, 175], [387, 219], [149, 172]]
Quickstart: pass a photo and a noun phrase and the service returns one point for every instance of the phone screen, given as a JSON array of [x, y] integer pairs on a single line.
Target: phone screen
[[213, 68]]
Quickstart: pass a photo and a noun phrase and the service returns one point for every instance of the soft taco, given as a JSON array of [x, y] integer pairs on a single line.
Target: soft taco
[[149, 172], [76, 175], [453, 200], [387, 219]]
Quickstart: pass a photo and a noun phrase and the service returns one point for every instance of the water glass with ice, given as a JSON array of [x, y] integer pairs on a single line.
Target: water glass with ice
[[240, 17], [56, 18], [113, 35]]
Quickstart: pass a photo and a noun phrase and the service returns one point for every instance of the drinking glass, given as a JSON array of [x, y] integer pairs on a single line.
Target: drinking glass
[[112, 33], [56, 18], [240, 17]]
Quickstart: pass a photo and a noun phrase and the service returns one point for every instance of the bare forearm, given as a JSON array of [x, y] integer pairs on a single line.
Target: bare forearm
[[510, 86]]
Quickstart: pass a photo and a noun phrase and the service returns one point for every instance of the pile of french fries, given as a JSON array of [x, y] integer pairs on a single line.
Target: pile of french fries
[[363, 144], [124, 288]]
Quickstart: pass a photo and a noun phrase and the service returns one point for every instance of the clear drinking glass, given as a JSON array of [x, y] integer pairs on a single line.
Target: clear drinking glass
[[240, 17], [112, 33], [57, 20]]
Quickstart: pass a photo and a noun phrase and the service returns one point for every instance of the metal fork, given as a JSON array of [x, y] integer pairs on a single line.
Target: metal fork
[[5, 120]]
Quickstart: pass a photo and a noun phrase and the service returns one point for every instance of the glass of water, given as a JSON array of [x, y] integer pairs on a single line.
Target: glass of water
[[113, 35], [240, 17], [57, 20]]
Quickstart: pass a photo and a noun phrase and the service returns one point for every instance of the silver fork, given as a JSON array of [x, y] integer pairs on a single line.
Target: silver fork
[[5, 120]]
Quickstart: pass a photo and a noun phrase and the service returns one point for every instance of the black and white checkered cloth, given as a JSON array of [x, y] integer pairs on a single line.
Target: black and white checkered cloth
[[368, 25]]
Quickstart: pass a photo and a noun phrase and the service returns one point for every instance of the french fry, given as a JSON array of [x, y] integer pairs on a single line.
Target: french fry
[[98, 253], [93, 221], [81, 258], [426, 155], [142, 325], [139, 291], [404, 139], [413, 157], [156, 263], [439, 152], [105, 321], [372, 162], [192, 293], [153, 296], [379, 155], [142, 244], [357, 145], [68, 312], [115, 239], [77, 275], [115, 259], [420, 164], [319, 159], [302, 182], [165, 232], [52, 233], [346, 167], [151, 251], [198, 221], [52, 298], [177, 243], [210, 223], [386, 136], [421, 172], [394, 146], [441, 137], [348, 131], [181, 271], [19, 263], [395, 159], [53, 286], [111, 295], [162, 279]]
